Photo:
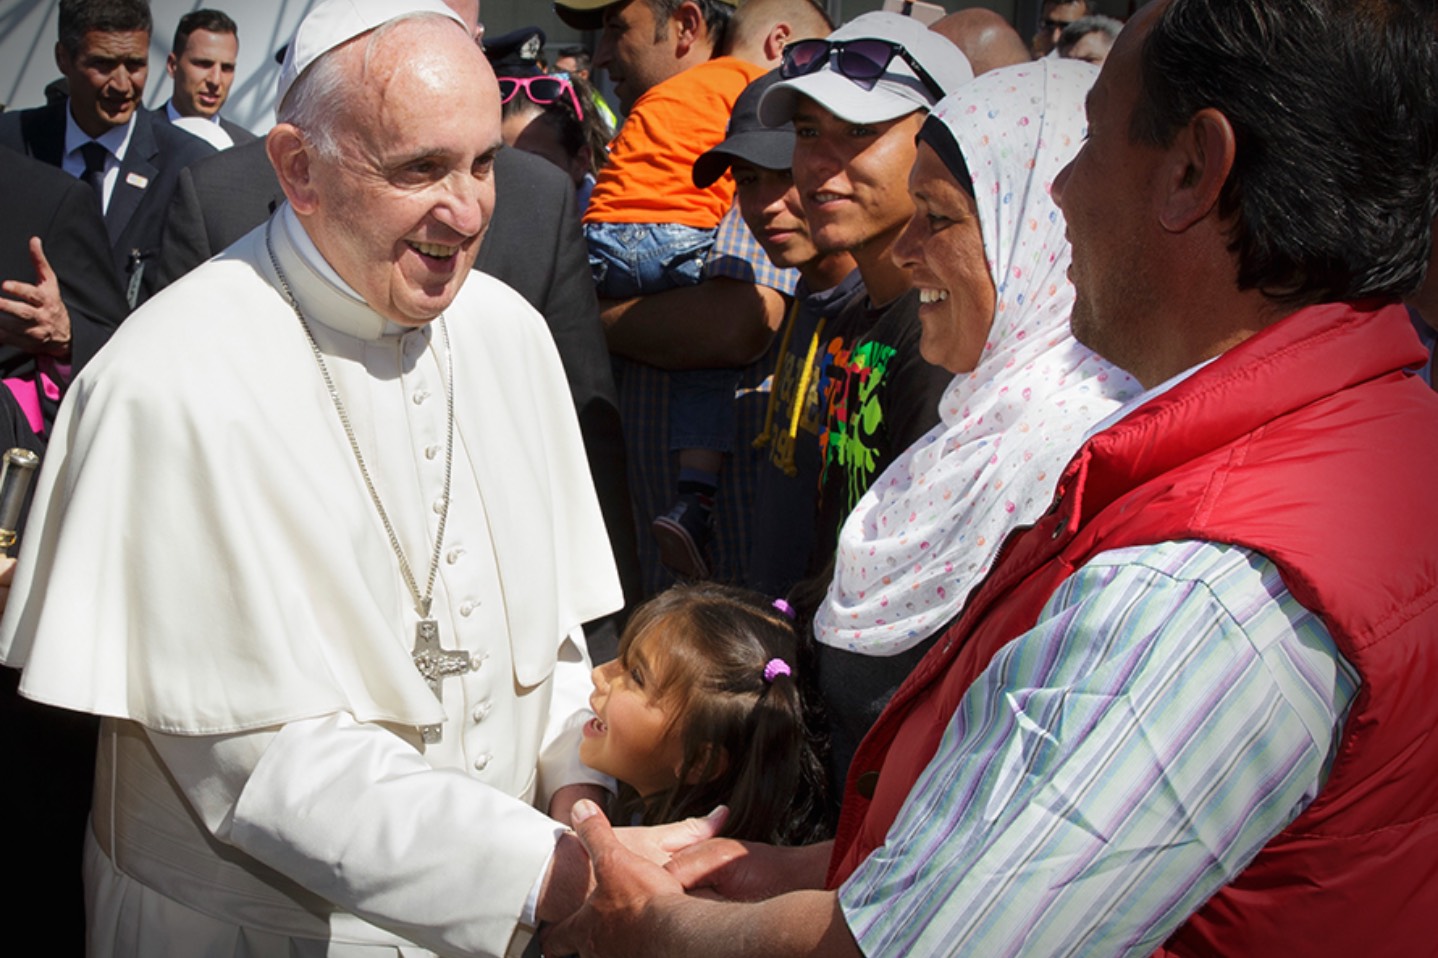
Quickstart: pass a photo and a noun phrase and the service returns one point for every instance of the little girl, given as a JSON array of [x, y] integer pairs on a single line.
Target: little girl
[[701, 708]]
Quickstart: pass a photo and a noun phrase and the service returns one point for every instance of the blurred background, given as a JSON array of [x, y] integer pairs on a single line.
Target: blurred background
[[27, 41]]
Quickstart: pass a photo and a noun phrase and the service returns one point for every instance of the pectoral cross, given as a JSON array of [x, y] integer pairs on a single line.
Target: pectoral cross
[[435, 664]]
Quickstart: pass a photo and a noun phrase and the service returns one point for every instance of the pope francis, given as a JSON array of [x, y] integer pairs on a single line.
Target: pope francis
[[315, 537]]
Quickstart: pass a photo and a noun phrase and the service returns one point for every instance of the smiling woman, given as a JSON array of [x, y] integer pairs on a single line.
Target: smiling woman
[[987, 251]]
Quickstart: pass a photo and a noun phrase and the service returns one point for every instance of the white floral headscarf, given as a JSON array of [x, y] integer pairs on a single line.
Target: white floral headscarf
[[928, 528]]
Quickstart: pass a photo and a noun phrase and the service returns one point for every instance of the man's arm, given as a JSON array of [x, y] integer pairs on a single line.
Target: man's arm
[[750, 871], [721, 323], [355, 814], [1172, 709], [725, 322]]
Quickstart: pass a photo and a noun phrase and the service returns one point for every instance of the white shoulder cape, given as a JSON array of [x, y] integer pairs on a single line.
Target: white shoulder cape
[[201, 556]]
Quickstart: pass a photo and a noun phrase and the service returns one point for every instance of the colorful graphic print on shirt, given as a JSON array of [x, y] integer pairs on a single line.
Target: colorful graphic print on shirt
[[851, 383]]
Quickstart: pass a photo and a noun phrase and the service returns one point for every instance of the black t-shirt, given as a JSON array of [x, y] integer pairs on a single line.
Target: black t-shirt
[[881, 396]]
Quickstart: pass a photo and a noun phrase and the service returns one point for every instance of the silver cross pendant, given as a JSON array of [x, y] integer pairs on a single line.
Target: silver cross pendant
[[435, 664]]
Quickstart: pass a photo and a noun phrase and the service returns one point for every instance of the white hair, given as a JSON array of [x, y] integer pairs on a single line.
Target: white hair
[[311, 105]]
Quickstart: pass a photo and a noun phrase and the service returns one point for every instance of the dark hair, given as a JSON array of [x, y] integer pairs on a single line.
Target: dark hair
[[716, 17], [1083, 26], [575, 132], [581, 56], [745, 740], [215, 21], [1331, 195], [79, 17]]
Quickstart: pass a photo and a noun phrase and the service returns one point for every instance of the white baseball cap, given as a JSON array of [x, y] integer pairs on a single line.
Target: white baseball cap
[[334, 22], [899, 91]]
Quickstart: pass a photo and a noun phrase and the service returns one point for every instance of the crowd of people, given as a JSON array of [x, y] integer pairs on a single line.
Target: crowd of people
[[937, 493]]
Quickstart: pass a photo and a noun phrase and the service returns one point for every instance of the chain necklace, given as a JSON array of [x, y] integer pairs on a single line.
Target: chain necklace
[[432, 661]]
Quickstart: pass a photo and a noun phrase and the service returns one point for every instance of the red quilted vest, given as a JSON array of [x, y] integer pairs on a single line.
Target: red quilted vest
[[1309, 444]]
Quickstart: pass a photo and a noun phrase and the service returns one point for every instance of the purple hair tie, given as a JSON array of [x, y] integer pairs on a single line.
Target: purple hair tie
[[775, 668], [785, 609]]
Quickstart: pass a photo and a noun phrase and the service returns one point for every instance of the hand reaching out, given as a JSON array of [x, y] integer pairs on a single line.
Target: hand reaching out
[[32, 316]]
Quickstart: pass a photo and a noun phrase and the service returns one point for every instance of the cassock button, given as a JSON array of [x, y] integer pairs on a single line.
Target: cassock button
[[482, 710], [431, 452], [866, 784], [420, 395], [466, 608], [439, 506], [482, 763], [454, 555]]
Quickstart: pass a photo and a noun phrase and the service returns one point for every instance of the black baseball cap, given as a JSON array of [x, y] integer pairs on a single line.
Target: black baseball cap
[[745, 138]]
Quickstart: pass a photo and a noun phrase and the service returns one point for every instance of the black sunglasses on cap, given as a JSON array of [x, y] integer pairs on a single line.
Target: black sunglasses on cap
[[863, 61]]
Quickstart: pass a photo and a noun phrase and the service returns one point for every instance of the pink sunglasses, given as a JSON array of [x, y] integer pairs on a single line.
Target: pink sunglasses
[[541, 89]]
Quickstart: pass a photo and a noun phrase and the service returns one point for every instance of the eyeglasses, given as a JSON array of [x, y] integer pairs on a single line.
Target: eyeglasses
[[543, 90], [863, 61]]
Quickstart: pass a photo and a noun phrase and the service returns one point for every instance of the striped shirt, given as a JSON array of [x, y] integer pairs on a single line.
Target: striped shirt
[[1173, 708]]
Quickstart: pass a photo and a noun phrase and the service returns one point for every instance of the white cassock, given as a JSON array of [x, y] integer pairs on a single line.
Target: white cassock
[[204, 567]]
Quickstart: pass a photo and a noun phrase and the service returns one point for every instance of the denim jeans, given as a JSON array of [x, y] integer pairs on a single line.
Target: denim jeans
[[637, 259]]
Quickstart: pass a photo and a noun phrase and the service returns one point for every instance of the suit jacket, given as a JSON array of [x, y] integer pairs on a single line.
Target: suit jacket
[[534, 244], [237, 133], [49, 754], [141, 194], [39, 200]]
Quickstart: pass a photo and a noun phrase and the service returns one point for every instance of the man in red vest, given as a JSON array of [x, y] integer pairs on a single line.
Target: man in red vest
[[1191, 710]]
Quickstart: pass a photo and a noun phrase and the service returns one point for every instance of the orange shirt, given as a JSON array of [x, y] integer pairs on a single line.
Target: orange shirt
[[650, 174]]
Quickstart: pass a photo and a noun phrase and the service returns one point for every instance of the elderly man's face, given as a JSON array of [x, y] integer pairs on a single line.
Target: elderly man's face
[[400, 212], [106, 73]]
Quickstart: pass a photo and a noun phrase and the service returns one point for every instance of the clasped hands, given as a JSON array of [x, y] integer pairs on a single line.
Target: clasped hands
[[646, 880]]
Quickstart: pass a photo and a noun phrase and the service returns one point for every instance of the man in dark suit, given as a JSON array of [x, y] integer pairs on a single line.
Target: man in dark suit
[[201, 65], [102, 135], [533, 244], [60, 300]]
